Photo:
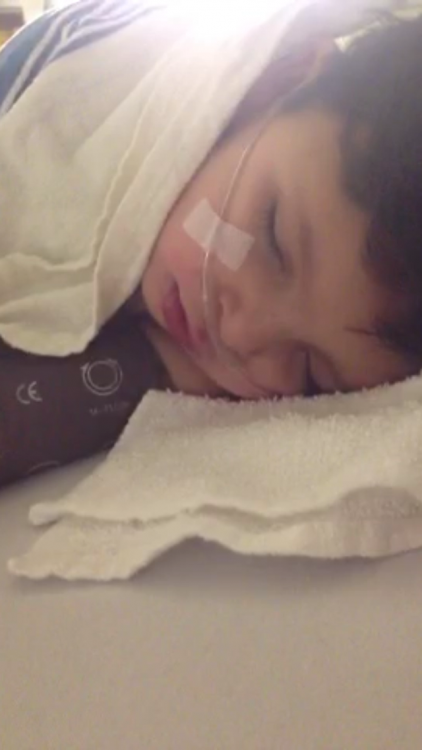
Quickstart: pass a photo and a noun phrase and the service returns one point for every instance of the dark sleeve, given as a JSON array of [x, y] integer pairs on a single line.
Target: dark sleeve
[[56, 410]]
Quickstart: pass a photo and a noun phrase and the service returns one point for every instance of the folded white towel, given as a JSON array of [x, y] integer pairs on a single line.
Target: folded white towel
[[332, 477]]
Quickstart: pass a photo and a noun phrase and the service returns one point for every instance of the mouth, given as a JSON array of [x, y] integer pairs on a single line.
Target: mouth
[[197, 343], [176, 320]]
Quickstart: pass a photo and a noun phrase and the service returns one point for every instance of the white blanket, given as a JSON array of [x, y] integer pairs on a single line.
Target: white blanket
[[330, 478]]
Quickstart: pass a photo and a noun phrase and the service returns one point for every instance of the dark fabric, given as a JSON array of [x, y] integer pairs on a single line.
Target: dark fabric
[[57, 410]]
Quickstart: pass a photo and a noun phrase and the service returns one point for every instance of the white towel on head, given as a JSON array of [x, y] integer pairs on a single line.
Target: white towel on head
[[333, 477]]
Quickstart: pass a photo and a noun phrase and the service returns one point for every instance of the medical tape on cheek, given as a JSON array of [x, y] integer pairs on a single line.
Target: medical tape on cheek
[[230, 244]]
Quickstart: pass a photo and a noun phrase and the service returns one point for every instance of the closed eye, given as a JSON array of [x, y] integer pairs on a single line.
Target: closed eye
[[273, 243]]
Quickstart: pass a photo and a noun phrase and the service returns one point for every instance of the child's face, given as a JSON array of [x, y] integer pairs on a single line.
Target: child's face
[[304, 315]]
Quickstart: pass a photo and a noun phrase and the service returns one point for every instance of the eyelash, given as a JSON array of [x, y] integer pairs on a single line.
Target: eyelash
[[271, 236], [268, 223], [312, 388]]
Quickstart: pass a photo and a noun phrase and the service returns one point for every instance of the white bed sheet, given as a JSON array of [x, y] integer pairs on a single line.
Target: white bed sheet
[[209, 651]]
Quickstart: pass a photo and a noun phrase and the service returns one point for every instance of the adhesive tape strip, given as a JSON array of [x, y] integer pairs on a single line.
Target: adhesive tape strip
[[230, 244]]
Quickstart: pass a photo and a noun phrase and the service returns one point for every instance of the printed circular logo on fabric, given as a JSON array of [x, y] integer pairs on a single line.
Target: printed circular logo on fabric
[[102, 377]]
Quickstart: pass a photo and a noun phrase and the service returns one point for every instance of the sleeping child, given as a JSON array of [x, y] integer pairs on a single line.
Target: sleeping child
[[288, 264]]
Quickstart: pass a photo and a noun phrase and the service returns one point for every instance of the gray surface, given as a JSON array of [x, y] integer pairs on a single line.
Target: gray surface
[[207, 651]]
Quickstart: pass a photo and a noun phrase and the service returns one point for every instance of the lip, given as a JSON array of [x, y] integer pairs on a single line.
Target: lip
[[176, 320]]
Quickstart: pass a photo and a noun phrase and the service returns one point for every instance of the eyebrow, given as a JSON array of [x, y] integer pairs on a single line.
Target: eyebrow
[[371, 333]]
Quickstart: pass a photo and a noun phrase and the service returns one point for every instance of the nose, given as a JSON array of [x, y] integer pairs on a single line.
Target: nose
[[246, 330]]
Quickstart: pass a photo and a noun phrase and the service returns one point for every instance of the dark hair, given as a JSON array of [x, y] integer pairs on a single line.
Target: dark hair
[[376, 84]]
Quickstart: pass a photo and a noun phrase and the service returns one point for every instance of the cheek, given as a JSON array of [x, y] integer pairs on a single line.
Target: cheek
[[180, 258]]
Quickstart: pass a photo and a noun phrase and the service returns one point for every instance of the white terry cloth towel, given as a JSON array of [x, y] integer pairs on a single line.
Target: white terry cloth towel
[[330, 477]]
